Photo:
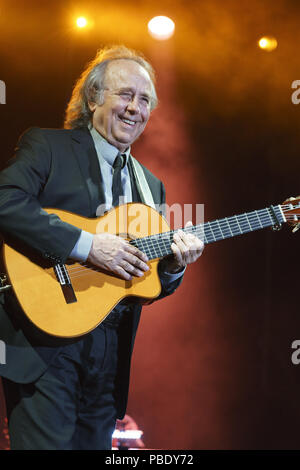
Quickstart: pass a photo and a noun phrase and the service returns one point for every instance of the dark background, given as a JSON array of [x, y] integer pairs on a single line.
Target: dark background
[[212, 364]]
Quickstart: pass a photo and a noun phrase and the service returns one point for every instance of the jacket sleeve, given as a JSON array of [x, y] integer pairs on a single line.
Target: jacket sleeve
[[21, 215]]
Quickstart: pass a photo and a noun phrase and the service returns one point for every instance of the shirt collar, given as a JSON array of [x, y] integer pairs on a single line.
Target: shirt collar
[[105, 149]]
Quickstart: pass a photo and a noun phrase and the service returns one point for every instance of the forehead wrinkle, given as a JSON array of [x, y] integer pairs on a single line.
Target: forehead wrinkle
[[118, 77]]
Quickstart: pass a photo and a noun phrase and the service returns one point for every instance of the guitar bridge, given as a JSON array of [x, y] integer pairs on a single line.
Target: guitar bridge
[[63, 278]]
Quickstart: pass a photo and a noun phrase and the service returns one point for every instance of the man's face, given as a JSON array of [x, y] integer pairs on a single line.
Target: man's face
[[126, 108]]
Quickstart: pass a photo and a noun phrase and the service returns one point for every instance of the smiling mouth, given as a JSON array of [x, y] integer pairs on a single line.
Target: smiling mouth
[[128, 122]]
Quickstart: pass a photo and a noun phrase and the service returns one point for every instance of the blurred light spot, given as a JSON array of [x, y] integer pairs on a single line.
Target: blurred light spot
[[128, 434], [81, 22], [267, 43], [161, 27]]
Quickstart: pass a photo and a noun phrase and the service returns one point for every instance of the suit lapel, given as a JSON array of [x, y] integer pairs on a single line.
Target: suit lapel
[[84, 149]]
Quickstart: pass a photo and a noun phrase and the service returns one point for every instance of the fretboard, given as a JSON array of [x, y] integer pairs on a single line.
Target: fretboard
[[159, 245]]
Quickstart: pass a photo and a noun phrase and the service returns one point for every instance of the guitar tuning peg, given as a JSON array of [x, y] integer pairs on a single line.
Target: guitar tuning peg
[[296, 228]]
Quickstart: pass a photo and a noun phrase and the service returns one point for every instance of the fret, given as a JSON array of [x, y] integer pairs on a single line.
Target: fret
[[220, 228], [216, 230], [166, 240], [225, 227], [159, 245], [198, 231], [237, 221], [234, 226], [244, 223], [156, 249], [139, 243], [207, 225], [247, 218], [258, 218]]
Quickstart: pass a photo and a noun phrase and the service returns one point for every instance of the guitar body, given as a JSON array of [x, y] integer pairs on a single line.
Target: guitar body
[[97, 292], [71, 300]]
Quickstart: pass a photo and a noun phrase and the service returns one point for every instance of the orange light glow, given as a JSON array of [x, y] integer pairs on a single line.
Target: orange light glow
[[267, 43], [161, 27], [81, 22]]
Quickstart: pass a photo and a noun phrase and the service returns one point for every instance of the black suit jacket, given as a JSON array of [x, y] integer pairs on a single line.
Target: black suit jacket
[[59, 169]]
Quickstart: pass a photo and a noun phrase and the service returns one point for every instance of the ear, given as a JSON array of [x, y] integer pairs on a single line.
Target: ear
[[92, 106]]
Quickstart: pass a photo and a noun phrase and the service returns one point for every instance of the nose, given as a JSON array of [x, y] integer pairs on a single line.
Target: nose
[[133, 105]]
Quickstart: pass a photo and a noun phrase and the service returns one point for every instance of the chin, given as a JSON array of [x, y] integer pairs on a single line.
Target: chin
[[124, 141]]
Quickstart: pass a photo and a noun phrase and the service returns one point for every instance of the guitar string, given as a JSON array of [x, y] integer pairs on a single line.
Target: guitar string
[[85, 269], [222, 223], [82, 268], [148, 250], [159, 240], [161, 237]]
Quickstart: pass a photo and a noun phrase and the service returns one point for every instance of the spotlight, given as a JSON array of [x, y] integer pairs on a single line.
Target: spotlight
[[161, 27], [81, 22], [267, 43]]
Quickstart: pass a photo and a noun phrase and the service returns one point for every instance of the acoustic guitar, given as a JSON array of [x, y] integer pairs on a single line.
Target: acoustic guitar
[[69, 300]]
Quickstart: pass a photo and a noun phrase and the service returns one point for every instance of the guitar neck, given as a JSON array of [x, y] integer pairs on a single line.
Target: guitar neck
[[159, 245]]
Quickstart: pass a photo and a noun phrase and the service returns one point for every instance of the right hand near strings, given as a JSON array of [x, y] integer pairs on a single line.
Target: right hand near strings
[[115, 254]]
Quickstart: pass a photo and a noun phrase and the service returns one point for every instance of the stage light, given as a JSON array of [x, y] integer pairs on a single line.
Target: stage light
[[81, 22], [161, 27], [267, 43]]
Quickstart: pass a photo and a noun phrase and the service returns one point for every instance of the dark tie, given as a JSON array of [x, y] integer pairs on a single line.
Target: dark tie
[[117, 189]]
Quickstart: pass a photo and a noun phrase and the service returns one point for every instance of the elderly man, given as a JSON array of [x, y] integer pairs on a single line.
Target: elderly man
[[67, 393]]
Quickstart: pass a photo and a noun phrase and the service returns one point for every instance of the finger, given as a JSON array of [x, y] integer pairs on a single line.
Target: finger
[[190, 246], [122, 273], [189, 224], [184, 239], [191, 241], [195, 249], [134, 261], [136, 252], [199, 246], [181, 245], [130, 269], [177, 254], [189, 232]]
